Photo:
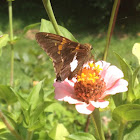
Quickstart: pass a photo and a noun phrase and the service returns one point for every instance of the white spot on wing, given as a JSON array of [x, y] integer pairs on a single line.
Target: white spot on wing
[[74, 63]]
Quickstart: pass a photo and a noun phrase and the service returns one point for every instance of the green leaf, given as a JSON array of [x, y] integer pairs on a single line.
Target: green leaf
[[125, 68], [127, 112], [0, 52], [59, 132], [127, 76], [46, 26], [81, 136], [3, 40], [7, 94], [24, 104], [137, 91], [136, 51], [133, 135], [36, 95], [135, 76], [31, 26], [39, 109]]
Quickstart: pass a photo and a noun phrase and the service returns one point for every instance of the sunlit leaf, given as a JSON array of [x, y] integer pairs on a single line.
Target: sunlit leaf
[[3, 40], [136, 51], [133, 135], [81, 136], [137, 91], [46, 26], [127, 112], [59, 132], [36, 95]]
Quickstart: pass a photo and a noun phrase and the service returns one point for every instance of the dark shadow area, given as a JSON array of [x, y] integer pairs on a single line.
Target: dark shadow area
[[80, 15]]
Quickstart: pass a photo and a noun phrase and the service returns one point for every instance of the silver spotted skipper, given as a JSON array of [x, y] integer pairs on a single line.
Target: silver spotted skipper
[[68, 56]]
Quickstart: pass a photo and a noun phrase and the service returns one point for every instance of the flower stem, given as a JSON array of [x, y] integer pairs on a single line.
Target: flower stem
[[120, 131], [11, 129], [87, 123], [111, 26], [29, 135], [51, 16], [11, 39], [97, 123]]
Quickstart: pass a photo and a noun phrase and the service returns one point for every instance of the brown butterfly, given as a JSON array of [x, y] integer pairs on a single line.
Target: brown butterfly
[[68, 56]]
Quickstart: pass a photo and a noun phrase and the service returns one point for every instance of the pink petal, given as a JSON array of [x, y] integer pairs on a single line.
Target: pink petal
[[100, 103], [112, 75], [104, 65], [119, 86], [84, 108]]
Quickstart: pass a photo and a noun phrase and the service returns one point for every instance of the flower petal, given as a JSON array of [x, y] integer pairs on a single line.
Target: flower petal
[[119, 86], [104, 65], [100, 103], [84, 108], [112, 75]]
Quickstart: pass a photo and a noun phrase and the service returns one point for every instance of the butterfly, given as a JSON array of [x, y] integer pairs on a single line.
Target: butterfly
[[68, 56]]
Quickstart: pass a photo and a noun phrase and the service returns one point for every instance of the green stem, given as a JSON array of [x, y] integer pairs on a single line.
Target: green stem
[[11, 39], [111, 26], [29, 135], [120, 131], [11, 129], [51, 16], [97, 123]]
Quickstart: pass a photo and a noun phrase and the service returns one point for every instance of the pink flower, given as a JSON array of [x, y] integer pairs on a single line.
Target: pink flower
[[88, 90]]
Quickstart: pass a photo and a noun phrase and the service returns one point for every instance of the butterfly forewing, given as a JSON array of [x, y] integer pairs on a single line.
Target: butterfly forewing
[[64, 53]]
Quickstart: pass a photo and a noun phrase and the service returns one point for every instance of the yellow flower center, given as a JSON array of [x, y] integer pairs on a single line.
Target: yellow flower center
[[89, 85]]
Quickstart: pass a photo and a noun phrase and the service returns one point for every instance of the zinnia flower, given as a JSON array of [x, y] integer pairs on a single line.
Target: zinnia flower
[[91, 85]]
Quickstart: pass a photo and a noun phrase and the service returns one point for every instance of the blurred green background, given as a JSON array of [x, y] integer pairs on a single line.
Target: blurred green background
[[86, 20]]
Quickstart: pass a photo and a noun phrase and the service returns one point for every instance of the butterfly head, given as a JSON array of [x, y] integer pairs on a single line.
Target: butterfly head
[[88, 46]]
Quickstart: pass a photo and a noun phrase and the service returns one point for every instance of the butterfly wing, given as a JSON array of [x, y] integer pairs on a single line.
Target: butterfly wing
[[68, 56], [49, 43], [77, 55]]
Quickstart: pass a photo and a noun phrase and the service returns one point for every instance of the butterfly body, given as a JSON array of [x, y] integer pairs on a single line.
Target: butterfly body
[[68, 56]]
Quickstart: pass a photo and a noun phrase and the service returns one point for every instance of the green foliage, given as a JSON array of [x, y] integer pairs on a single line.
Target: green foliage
[[58, 132], [133, 135], [3, 41], [46, 26], [80, 136], [7, 94], [127, 112]]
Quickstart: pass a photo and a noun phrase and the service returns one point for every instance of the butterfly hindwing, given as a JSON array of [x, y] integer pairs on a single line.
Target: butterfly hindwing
[[64, 53]]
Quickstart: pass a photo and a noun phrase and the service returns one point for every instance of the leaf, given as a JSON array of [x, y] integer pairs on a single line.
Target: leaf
[[46, 26], [81, 136], [137, 91], [7, 94], [135, 76], [125, 68], [59, 132], [127, 112], [36, 96], [24, 104], [31, 26], [133, 135], [39, 109], [0, 52], [3, 40], [127, 76], [136, 51]]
